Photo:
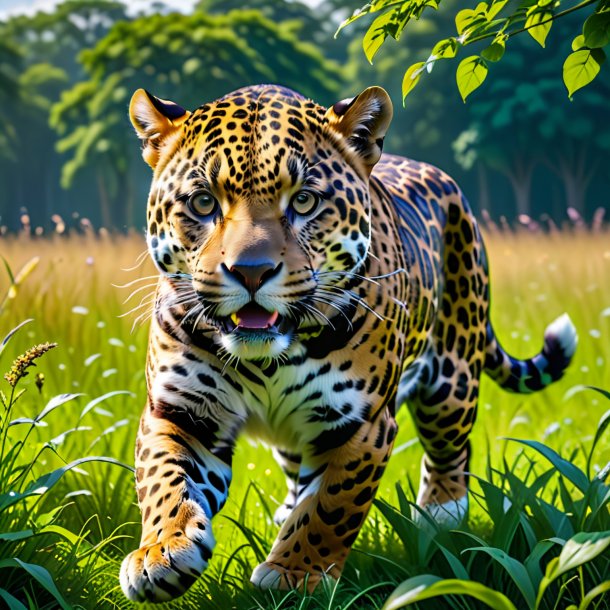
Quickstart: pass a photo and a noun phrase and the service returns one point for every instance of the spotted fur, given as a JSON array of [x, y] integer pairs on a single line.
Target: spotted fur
[[303, 327]]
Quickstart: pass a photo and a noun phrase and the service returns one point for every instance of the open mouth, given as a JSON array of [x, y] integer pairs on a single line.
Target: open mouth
[[253, 320]]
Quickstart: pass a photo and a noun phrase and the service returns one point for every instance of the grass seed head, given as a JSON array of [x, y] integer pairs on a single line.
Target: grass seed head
[[23, 362]]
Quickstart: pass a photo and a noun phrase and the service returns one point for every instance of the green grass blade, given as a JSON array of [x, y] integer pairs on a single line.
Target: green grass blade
[[578, 550], [459, 571], [96, 401], [14, 536], [8, 337], [604, 422], [54, 403], [41, 575], [48, 480], [593, 593], [515, 569], [532, 563], [567, 469], [256, 542], [426, 586], [12, 602], [365, 592]]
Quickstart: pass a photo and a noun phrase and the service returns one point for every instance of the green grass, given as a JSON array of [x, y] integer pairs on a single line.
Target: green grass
[[69, 295]]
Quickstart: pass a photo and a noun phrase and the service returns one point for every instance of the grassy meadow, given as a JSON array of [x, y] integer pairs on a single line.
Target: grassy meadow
[[69, 291]]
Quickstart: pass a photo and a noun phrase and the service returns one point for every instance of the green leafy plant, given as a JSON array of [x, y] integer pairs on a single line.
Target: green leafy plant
[[543, 554], [25, 521], [490, 25]]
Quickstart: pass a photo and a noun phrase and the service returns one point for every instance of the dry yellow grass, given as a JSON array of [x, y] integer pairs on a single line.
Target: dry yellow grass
[[72, 297]]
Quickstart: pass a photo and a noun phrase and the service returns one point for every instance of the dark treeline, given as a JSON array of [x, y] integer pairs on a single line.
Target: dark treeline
[[519, 146]]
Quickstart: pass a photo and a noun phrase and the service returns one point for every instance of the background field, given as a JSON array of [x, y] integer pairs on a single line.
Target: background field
[[70, 295]]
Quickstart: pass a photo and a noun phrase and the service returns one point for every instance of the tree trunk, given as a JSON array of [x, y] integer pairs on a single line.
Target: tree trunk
[[104, 200], [520, 178], [483, 183], [576, 172]]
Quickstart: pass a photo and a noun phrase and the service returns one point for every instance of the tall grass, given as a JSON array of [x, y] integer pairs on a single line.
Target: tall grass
[[70, 294]]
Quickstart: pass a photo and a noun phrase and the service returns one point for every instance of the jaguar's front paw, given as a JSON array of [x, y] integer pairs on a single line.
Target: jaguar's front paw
[[268, 575], [166, 569]]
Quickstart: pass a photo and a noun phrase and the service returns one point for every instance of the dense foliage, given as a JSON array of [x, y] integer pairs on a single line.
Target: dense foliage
[[67, 151], [493, 24]]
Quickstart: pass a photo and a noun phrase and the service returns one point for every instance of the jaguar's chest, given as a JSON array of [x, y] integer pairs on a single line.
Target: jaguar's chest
[[290, 406]]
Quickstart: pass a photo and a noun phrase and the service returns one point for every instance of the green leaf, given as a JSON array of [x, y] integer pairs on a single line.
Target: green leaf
[[596, 30], [12, 602], [41, 575], [96, 401], [578, 42], [566, 468], [578, 550], [532, 563], [581, 67], [445, 49], [13, 536], [463, 19], [411, 78], [604, 422], [426, 586], [376, 35], [11, 277], [495, 8], [470, 75], [538, 24], [495, 51], [514, 569]]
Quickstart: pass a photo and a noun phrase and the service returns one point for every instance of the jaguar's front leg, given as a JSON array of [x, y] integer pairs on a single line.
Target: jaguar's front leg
[[182, 477], [290, 464], [316, 538]]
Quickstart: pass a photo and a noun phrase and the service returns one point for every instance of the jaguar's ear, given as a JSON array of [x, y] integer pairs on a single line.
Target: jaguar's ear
[[154, 120], [363, 121]]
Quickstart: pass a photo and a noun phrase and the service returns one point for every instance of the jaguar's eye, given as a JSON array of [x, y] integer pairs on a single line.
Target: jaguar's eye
[[202, 203], [304, 202]]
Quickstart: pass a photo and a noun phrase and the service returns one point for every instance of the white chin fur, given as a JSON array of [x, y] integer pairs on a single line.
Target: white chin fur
[[255, 350]]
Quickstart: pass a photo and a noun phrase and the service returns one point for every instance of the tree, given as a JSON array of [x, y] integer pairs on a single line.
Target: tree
[[38, 59], [189, 58], [10, 60], [491, 25], [519, 127], [58, 37]]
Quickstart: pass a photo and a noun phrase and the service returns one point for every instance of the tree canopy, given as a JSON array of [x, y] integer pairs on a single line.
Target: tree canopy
[[66, 76]]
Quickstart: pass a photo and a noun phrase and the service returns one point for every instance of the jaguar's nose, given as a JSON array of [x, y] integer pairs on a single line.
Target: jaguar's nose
[[253, 276]]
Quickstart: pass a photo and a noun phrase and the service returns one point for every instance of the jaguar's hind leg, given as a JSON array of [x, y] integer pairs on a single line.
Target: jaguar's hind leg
[[444, 409], [290, 464]]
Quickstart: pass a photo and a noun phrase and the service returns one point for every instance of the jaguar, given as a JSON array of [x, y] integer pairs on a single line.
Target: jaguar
[[309, 285]]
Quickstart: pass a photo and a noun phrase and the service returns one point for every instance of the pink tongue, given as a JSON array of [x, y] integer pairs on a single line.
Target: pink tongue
[[254, 316]]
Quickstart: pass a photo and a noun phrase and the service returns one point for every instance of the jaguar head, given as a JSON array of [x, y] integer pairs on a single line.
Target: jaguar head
[[259, 209]]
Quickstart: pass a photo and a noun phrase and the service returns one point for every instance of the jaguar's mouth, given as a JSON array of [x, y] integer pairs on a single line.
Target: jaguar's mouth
[[255, 322]]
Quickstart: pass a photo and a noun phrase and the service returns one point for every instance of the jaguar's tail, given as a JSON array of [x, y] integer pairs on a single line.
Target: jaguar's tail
[[524, 376]]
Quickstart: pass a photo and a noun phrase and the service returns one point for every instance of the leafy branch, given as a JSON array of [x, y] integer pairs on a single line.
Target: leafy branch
[[496, 21]]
